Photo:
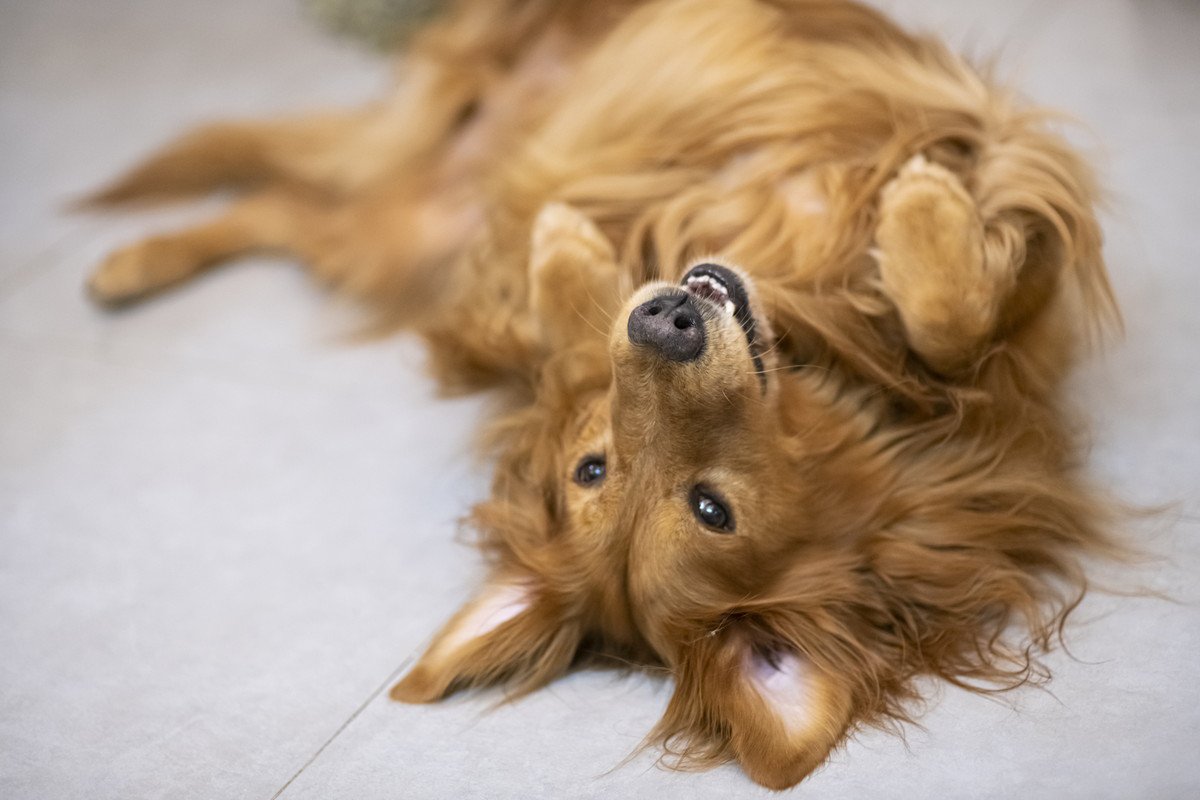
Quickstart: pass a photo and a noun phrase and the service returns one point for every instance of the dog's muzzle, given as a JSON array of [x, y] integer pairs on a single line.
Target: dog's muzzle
[[669, 324]]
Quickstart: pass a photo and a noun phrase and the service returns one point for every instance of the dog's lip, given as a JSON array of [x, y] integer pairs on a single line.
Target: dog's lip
[[723, 288], [719, 286]]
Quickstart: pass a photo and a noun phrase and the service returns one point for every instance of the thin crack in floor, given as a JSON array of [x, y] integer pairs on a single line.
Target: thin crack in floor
[[346, 724]]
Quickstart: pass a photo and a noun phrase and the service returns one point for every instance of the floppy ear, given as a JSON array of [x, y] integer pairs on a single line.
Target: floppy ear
[[740, 694], [511, 630]]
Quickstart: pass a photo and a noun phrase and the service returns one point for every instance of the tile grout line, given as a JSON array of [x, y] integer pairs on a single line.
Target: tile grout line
[[345, 724]]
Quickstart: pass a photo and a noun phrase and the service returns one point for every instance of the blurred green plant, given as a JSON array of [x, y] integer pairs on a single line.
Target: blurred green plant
[[380, 24]]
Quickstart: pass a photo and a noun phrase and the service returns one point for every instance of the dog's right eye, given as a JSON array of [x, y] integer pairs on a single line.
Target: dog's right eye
[[590, 471], [711, 511]]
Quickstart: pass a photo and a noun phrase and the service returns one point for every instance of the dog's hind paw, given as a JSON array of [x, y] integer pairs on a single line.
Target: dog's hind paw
[[139, 270], [125, 276]]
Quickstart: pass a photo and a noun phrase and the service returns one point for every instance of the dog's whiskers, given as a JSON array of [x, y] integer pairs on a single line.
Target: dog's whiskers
[[791, 367], [589, 323], [608, 315]]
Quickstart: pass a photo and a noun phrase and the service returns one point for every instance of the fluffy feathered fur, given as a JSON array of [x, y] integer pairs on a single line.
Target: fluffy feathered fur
[[921, 258]]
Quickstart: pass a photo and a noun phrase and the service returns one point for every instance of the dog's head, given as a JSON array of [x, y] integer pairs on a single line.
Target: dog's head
[[652, 510], [676, 496]]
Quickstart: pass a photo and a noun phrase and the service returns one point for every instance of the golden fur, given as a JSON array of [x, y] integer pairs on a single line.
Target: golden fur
[[922, 257]]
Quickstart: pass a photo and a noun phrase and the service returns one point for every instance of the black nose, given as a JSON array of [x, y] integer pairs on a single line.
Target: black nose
[[671, 325]]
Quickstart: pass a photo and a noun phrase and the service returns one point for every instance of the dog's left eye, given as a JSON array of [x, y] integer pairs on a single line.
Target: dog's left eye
[[711, 512], [591, 470]]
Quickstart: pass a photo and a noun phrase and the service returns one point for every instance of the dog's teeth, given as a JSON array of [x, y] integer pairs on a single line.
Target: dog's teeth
[[729, 307], [709, 283]]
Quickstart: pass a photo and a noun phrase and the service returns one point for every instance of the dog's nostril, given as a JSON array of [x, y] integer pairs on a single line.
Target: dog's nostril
[[669, 325]]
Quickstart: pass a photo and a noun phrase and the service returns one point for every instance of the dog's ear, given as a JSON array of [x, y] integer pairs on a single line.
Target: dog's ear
[[510, 630], [740, 693]]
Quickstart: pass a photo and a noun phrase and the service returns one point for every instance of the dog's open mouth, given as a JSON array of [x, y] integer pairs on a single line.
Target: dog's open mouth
[[723, 288]]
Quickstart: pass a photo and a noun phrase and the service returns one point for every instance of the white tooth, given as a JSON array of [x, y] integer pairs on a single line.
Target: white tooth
[[729, 307], [712, 287]]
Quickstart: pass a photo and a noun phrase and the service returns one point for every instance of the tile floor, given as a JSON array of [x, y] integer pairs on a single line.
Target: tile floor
[[223, 528]]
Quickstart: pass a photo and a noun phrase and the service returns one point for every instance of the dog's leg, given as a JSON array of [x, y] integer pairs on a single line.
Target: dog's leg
[[382, 249], [335, 153], [238, 155], [575, 284], [267, 221], [930, 247]]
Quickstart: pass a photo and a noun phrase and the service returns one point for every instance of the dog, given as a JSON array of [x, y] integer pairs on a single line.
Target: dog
[[781, 297]]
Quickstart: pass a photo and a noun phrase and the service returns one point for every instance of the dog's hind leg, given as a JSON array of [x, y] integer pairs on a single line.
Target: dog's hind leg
[[335, 152], [383, 249], [236, 155], [267, 221]]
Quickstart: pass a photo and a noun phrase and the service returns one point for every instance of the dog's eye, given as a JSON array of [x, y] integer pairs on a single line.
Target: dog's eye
[[590, 470], [711, 512]]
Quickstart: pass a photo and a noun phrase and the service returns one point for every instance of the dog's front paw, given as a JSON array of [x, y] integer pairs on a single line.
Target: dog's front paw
[[929, 245], [920, 176], [560, 227], [575, 284]]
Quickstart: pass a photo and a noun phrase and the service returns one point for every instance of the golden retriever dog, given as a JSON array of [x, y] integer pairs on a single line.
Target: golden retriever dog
[[780, 296]]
